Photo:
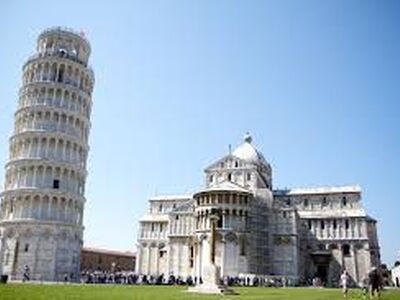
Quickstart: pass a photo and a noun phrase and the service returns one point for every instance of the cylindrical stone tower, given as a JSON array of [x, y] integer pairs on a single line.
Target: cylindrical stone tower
[[43, 199]]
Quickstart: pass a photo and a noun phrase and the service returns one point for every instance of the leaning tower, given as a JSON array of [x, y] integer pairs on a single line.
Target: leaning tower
[[43, 199]]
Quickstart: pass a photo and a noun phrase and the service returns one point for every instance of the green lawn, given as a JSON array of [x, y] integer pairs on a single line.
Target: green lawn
[[98, 292]]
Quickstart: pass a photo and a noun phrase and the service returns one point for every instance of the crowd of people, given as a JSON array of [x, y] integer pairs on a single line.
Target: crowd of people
[[372, 284], [121, 277]]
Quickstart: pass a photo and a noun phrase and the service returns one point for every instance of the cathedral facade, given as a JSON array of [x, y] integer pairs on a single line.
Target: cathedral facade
[[298, 233]]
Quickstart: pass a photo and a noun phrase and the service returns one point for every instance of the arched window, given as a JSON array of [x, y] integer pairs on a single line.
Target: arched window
[[211, 178], [56, 184], [344, 201], [334, 224], [53, 72], [160, 208], [305, 203], [230, 176], [220, 223], [233, 199], [322, 224], [346, 249], [61, 74], [248, 176], [347, 224]]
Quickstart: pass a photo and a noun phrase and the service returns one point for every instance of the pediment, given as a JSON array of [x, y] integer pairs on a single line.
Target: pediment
[[226, 186], [184, 208]]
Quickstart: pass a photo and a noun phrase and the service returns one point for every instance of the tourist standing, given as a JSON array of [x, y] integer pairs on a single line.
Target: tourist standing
[[374, 282], [344, 280], [26, 276]]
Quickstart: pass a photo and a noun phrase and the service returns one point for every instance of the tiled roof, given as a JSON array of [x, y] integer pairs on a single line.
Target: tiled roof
[[109, 252]]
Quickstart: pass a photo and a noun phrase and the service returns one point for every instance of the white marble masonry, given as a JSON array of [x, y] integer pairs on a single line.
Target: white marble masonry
[[298, 233], [41, 216]]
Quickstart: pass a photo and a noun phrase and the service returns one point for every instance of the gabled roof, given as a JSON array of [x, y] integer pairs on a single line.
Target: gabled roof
[[170, 198], [108, 252], [183, 208], [319, 190]]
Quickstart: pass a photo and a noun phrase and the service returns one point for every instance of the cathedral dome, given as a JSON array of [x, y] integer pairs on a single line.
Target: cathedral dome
[[248, 152]]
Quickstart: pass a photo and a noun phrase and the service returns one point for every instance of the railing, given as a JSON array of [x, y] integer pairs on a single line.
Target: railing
[[73, 159], [50, 127], [53, 102], [66, 81], [60, 54], [66, 29]]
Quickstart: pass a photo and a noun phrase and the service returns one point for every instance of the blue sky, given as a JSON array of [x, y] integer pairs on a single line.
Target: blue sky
[[315, 82]]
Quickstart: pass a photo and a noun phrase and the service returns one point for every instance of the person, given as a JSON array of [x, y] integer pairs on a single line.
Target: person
[[344, 280], [284, 282], [314, 282], [374, 282], [26, 275]]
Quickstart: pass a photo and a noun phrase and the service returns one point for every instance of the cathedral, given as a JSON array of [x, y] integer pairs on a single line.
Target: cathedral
[[298, 233]]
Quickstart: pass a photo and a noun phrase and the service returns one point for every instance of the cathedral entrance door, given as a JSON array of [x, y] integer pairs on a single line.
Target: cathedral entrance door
[[321, 261], [322, 273]]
